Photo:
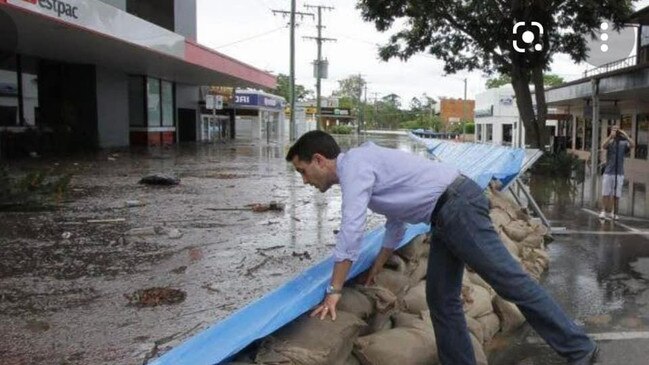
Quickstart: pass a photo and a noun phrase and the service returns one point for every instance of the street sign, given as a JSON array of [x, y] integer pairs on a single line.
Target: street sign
[[218, 103], [210, 100]]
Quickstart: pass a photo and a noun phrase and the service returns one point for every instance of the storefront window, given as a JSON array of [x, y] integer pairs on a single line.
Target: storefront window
[[626, 123], [642, 136], [153, 102], [490, 132], [507, 134], [167, 104], [478, 131]]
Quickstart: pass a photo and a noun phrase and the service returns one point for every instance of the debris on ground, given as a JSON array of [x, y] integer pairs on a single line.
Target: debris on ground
[[256, 207], [302, 256], [145, 231], [272, 206], [134, 203], [110, 220], [160, 179], [155, 296]]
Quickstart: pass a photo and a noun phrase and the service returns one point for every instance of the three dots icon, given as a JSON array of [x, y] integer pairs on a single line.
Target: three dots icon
[[603, 36]]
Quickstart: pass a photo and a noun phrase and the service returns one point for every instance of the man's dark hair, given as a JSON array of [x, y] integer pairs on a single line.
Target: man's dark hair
[[311, 143]]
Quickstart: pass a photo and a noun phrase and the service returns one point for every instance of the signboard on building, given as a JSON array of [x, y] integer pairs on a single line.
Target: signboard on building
[[95, 16], [336, 111], [248, 99]]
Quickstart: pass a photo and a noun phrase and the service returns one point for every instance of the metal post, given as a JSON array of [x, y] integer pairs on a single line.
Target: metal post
[[19, 81], [594, 145], [291, 132], [318, 69], [464, 112]]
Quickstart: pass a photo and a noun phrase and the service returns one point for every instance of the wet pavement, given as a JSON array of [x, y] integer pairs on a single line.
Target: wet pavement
[[599, 273], [69, 276]]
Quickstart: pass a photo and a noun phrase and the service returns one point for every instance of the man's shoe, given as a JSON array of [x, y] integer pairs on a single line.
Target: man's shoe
[[590, 359], [602, 215], [616, 217]]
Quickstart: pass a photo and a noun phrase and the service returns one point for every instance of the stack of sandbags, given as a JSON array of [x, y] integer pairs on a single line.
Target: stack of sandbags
[[524, 239], [389, 322]]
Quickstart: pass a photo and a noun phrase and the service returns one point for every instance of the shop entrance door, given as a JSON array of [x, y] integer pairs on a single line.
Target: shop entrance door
[[214, 128]]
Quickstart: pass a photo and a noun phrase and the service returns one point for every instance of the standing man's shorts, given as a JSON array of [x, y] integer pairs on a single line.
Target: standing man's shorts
[[608, 185]]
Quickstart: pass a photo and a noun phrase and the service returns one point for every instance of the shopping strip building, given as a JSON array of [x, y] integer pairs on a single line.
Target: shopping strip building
[[622, 88], [86, 74]]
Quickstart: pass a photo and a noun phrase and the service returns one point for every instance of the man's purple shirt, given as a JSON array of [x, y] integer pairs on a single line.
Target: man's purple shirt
[[399, 185]]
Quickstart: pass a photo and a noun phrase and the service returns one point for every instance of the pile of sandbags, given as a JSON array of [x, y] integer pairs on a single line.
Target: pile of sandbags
[[389, 323]]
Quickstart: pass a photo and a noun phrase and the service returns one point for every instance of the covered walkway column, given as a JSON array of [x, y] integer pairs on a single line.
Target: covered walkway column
[[594, 147]]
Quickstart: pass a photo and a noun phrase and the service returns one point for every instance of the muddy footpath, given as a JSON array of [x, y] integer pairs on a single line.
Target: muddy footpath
[[118, 272]]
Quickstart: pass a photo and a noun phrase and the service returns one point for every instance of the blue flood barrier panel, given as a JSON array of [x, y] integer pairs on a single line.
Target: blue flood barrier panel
[[264, 316], [272, 311]]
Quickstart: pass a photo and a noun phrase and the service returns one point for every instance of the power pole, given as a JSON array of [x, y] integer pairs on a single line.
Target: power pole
[[292, 15], [363, 114], [376, 98], [464, 112], [318, 66]]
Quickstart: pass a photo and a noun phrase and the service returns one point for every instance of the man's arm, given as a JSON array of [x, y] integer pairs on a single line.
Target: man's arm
[[394, 231], [607, 141], [631, 143]]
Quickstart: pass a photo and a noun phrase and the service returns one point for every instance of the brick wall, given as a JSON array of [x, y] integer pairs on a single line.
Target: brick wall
[[454, 108]]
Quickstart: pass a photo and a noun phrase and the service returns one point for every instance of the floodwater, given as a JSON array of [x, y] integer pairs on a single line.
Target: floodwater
[[67, 276], [599, 273]]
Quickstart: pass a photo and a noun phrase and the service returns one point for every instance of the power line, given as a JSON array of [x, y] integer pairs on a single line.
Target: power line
[[251, 37]]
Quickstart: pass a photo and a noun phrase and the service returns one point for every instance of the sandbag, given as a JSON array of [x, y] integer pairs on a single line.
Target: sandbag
[[411, 344], [510, 316], [415, 249], [355, 302], [511, 246], [517, 230], [533, 240], [476, 279], [311, 341], [394, 281], [499, 217], [478, 350], [476, 328], [352, 360], [476, 301], [384, 300], [490, 326], [396, 263], [416, 271], [379, 322], [415, 299]]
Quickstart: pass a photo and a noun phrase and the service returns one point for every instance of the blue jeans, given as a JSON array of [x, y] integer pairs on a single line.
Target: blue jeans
[[463, 234]]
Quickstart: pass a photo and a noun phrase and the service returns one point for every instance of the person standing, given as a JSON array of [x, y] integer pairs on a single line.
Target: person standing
[[406, 188], [616, 145]]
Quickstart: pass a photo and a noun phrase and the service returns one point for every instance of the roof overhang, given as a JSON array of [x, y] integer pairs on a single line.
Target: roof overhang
[[114, 39]]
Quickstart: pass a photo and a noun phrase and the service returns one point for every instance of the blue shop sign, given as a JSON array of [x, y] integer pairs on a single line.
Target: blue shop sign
[[256, 100]]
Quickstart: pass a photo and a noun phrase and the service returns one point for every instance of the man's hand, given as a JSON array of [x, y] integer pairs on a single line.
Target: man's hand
[[370, 275], [328, 306]]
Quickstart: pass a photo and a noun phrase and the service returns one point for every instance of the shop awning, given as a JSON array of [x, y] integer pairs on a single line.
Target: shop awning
[[99, 34]]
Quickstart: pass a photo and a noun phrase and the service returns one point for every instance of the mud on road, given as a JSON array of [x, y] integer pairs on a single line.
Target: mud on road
[[68, 275]]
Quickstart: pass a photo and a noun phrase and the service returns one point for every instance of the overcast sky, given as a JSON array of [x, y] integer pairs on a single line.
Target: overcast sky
[[248, 31]]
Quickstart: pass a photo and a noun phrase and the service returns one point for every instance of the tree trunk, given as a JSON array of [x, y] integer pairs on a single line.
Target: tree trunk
[[541, 107], [521, 84]]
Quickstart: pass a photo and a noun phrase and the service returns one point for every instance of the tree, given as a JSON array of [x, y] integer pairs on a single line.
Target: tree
[[284, 89], [478, 35], [549, 80], [351, 87]]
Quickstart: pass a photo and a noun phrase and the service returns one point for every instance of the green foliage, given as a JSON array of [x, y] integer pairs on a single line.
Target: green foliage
[[38, 187], [477, 35], [549, 80], [351, 87], [284, 89], [562, 164], [340, 129], [469, 128]]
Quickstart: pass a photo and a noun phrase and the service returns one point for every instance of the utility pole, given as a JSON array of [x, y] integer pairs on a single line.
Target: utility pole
[[376, 98], [363, 114], [292, 15], [318, 63], [464, 112]]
